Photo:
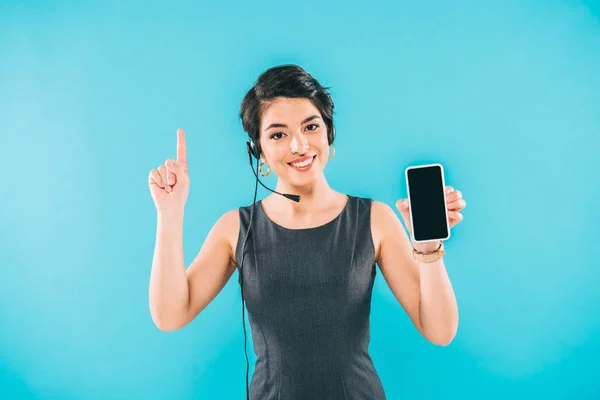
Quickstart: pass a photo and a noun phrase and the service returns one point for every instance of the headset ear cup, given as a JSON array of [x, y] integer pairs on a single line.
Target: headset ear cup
[[255, 151], [252, 151]]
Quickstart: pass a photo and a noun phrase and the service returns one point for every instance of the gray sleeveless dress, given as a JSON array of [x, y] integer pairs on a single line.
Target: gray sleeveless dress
[[308, 295]]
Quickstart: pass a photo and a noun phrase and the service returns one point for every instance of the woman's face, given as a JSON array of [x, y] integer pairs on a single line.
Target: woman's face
[[292, 131]]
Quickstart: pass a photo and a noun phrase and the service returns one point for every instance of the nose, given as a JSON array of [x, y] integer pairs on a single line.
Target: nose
[[299, 144]]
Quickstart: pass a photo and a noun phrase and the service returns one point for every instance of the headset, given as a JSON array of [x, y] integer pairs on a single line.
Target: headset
[[253, 151]]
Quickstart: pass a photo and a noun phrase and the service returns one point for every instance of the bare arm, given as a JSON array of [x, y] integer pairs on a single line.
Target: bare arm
[[169, 289], [423, 290], [178, 295]]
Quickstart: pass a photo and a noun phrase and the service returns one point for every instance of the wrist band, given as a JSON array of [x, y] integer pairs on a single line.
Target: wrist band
[[431, 257]]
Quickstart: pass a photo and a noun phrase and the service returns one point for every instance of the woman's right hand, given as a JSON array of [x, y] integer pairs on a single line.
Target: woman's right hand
[[170, 183]]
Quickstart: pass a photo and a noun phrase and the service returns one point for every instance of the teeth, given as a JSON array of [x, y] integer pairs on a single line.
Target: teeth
[[304, 163]]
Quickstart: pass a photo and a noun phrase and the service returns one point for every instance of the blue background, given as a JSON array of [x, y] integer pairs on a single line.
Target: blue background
[[506, 96]]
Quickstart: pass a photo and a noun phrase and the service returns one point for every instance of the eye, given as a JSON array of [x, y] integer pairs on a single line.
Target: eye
[[315, 127], [275, 134]]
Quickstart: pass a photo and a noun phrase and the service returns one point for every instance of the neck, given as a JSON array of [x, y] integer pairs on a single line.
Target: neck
[[313, 197]]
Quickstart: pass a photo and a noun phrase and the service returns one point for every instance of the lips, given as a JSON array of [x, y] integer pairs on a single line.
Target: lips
[[305, 168]]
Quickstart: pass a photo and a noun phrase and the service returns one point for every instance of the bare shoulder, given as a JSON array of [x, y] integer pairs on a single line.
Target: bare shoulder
[[381, 215]]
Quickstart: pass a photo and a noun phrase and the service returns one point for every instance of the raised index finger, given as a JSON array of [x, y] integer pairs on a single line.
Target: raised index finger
[[181, 149]]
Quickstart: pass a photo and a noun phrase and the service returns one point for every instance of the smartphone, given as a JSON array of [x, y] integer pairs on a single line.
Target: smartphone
[[427, 202]]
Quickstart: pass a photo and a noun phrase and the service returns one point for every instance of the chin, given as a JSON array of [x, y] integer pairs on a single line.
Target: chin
[[301, 180]]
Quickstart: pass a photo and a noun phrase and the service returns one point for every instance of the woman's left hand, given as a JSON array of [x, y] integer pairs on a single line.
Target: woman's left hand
[[454, 202]]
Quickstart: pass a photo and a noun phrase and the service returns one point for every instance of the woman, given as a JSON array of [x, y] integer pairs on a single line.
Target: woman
[[308, 266]]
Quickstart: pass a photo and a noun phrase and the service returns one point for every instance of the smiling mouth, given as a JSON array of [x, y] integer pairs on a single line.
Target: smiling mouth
[[304, 167]]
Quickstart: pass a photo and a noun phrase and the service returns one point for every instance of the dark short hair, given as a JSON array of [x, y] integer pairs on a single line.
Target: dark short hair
[[284, 81]]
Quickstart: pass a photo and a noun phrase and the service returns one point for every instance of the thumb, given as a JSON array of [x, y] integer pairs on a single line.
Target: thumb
[[402, 204], [179, 170]]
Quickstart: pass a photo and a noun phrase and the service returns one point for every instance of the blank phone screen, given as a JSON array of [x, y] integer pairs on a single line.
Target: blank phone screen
[[426, 193]]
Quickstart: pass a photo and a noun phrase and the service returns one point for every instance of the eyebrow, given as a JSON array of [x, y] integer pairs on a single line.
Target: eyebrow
[[285, 126]]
